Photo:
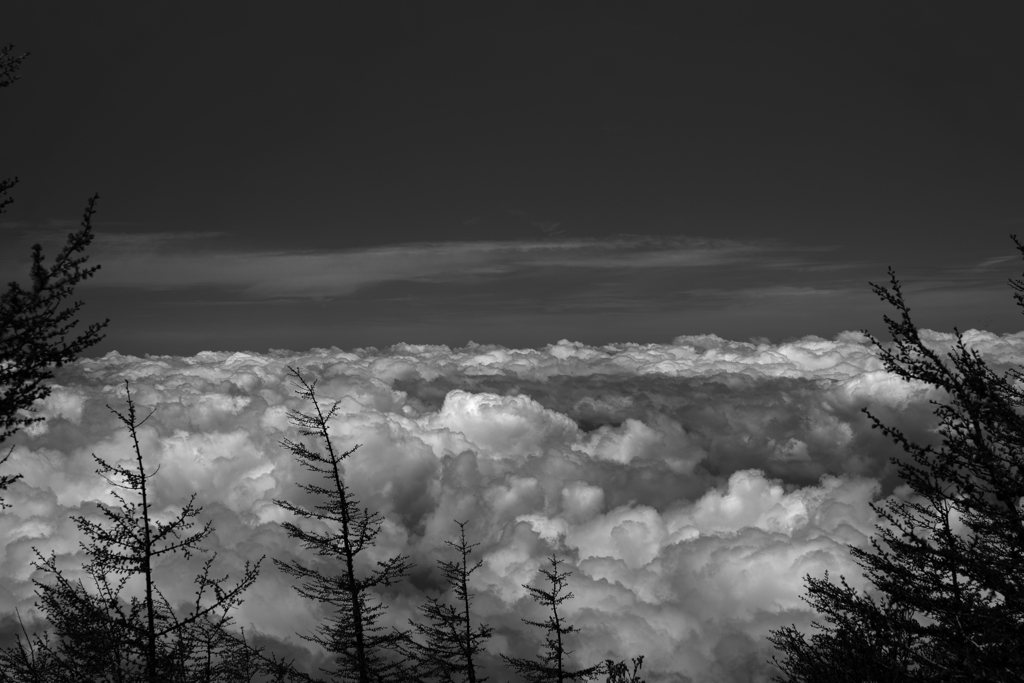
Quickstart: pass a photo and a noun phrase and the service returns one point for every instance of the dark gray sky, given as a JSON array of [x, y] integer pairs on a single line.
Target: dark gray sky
[[291, 175]]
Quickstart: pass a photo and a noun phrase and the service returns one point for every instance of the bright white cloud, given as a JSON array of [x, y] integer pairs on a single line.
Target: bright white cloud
[[689, 486]]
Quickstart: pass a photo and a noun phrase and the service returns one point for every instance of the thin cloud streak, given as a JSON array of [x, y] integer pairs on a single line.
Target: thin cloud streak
[[137, 263], [521, 293], [178, 261]]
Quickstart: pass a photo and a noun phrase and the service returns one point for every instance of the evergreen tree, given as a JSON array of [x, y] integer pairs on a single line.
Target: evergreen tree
[[34, 327], [861, 640], [100, 636], [450, 644], [363, 651], [551, 666], [948, 564]]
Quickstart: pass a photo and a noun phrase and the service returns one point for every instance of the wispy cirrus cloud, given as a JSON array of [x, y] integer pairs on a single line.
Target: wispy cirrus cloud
[[212, 292], [996, 261], [169, 262]]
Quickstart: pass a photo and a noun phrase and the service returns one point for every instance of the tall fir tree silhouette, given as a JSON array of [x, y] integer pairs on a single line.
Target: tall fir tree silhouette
[[364, 651], [98, 635], [449, 645], [946, 566], [551, 667]]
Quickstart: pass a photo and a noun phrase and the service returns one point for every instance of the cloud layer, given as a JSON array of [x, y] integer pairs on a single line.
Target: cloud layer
[[689, 486]]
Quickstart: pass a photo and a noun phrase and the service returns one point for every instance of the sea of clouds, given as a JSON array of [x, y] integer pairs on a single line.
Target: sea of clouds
[[688, 487]]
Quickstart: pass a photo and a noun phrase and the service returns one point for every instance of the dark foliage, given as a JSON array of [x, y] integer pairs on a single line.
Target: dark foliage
[[97, 635], [948, 563], [862, 639], [449, 646], [620, 673], [9, 65], [363, 650], [551, 666], [35, 323]]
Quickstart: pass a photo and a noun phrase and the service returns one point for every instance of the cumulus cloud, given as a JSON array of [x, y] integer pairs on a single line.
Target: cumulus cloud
[[688, 486]]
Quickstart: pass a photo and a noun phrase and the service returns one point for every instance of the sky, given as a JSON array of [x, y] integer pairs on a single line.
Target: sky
[[688, 486], [309, 175]]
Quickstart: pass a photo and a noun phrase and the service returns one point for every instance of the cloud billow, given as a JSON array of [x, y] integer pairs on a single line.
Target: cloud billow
[[689, 486]]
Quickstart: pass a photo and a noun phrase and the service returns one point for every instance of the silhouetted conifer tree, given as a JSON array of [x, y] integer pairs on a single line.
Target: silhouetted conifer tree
[[551, 666], [861, 640], [100, 636], [33, 326], [363, 651], [449, 644], [949, 565]]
